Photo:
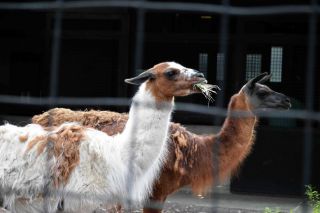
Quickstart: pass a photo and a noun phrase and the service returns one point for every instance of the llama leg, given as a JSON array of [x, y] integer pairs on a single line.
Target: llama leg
[[80, 205], [155, 205], [34, 206]]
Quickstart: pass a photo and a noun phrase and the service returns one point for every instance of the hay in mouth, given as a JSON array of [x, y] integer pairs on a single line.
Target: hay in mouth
[[206, 89]]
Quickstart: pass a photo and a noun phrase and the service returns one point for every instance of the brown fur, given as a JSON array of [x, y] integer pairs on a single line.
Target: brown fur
[[106, 121], [23, 138], [190, 156], [236, 136], [153, 86], [160, 96], [65, 148]]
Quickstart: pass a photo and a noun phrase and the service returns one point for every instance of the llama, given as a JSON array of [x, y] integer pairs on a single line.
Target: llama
[[88, 167], [190, 157]]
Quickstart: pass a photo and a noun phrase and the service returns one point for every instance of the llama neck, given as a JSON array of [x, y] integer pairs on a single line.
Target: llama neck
[[196, 155], [146, 130], [236, 136]]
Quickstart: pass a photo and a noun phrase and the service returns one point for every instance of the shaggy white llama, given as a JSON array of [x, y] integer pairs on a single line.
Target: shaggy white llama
[[85, 167]]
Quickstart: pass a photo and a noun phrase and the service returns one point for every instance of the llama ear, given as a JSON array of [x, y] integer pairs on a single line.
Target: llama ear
[[258, 79], [140, 78], [264, 79]]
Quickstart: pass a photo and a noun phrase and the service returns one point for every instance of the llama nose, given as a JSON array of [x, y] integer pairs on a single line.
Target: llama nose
[[199, 74], [287, 100]]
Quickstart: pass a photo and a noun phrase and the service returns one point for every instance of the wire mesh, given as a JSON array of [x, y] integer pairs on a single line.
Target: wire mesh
[[225, 10], [310, 91]]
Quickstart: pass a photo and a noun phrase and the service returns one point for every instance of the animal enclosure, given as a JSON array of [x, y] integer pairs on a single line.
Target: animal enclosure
[[76, 54]]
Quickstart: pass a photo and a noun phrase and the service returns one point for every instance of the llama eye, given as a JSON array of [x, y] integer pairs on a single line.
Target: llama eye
[[171, 73]]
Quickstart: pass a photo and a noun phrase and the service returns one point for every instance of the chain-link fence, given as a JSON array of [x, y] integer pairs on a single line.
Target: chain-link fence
[[224, 10]]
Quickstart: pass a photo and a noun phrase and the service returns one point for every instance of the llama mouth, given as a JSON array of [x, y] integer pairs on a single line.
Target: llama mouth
[[285, 106], [196, 83], [277, 106], [199, 81]]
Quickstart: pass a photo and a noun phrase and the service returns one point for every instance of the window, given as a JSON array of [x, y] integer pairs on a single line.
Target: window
[[276, 64], [253, 65], [220, 67], [203, 63]]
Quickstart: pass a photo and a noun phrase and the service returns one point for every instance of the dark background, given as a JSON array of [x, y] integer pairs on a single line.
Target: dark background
[[97, 54]]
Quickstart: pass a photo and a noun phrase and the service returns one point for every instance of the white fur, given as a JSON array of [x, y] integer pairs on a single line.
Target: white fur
[[112, 169], [187, 71]]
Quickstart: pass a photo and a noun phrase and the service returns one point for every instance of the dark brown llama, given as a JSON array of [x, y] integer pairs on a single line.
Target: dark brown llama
[[190, 157]]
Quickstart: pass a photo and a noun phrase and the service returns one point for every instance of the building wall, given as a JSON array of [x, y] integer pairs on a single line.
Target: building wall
[[98, 51]]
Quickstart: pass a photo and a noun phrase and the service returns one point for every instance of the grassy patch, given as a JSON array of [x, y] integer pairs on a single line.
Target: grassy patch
[[313, 198], [269, 210]]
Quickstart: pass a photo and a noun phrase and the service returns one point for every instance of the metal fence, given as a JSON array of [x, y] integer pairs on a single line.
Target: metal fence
[[225, 10]]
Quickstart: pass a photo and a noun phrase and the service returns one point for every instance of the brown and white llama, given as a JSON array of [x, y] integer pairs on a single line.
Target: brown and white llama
[[190, 156], [87, 167]]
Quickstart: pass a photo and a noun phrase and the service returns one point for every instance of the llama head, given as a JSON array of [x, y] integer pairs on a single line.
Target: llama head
[[168, 79], [261, 96]]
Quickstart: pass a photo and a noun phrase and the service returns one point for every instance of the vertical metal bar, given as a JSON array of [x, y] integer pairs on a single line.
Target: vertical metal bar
[[223, 49], [310, 92], [53, 92], [138, 58], [55, 54]]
